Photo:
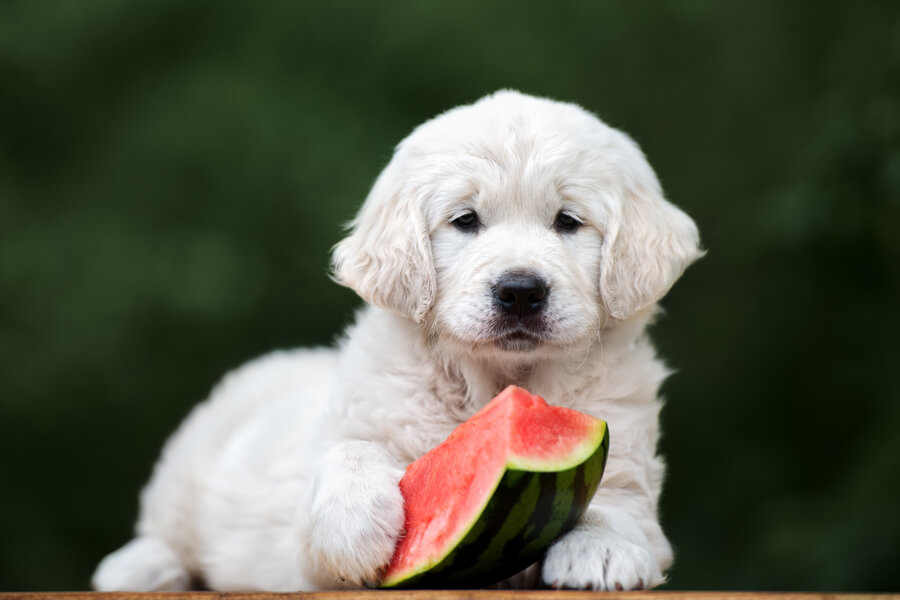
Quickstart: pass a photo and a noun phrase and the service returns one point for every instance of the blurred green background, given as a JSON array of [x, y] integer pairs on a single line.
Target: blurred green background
[[173, 174]]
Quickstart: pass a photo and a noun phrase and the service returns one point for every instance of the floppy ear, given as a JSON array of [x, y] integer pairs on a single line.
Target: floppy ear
[[649, 244], [386, 259]]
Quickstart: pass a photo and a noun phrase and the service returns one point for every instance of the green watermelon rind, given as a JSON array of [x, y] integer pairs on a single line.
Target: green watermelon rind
[[537, 501]]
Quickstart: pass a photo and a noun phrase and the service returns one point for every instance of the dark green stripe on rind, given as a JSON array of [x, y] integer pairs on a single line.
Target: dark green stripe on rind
[[528, 511]]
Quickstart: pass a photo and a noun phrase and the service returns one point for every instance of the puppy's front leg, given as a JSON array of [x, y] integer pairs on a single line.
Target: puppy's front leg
[[355, 514]]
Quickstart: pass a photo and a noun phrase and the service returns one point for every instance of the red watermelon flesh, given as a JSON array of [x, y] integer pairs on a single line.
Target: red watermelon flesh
[[447, 490]]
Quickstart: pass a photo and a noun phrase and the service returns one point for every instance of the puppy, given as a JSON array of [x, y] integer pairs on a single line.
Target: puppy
[[516, 240]]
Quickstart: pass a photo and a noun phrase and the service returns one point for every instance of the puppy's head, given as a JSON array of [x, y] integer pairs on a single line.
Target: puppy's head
[[516, 225]]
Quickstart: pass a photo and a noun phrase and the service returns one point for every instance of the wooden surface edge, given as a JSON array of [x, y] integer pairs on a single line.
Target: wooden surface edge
[[448, 595]]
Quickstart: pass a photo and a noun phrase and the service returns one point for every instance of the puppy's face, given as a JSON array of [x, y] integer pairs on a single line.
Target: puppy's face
[[517, 259], [516, 227]]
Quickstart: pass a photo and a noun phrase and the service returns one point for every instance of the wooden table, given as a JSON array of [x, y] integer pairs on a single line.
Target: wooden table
[[448, 595]]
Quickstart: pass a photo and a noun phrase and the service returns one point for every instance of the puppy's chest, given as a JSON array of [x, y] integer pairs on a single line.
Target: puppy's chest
[[423, 429], [417, 440]]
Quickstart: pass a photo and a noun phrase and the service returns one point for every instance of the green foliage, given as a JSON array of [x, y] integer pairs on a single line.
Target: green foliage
[[173, 174]]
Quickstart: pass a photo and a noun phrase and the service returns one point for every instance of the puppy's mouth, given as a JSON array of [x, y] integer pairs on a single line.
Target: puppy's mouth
[[519, 335], [517, 341]]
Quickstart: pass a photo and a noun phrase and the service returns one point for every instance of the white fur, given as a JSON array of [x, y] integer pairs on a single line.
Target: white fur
[[286, 478]]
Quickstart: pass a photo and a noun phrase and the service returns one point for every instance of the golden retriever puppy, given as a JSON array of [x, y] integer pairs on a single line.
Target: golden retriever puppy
[[516, 240]]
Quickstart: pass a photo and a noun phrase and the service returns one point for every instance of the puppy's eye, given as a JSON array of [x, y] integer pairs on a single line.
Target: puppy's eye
[[566, 223], [467, 221]]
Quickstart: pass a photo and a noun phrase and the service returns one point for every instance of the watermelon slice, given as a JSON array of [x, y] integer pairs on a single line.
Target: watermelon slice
[[490, 499]]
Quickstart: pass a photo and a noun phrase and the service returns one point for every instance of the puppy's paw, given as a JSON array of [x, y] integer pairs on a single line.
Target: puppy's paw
[[352, 535], [593, 558], [142, 565], [356, 517]]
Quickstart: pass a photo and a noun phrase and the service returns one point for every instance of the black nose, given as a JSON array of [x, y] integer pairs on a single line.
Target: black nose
[[521, 293]]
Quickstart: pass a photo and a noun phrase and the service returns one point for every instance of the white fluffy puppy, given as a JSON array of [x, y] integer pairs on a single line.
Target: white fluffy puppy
[[516, 240]]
